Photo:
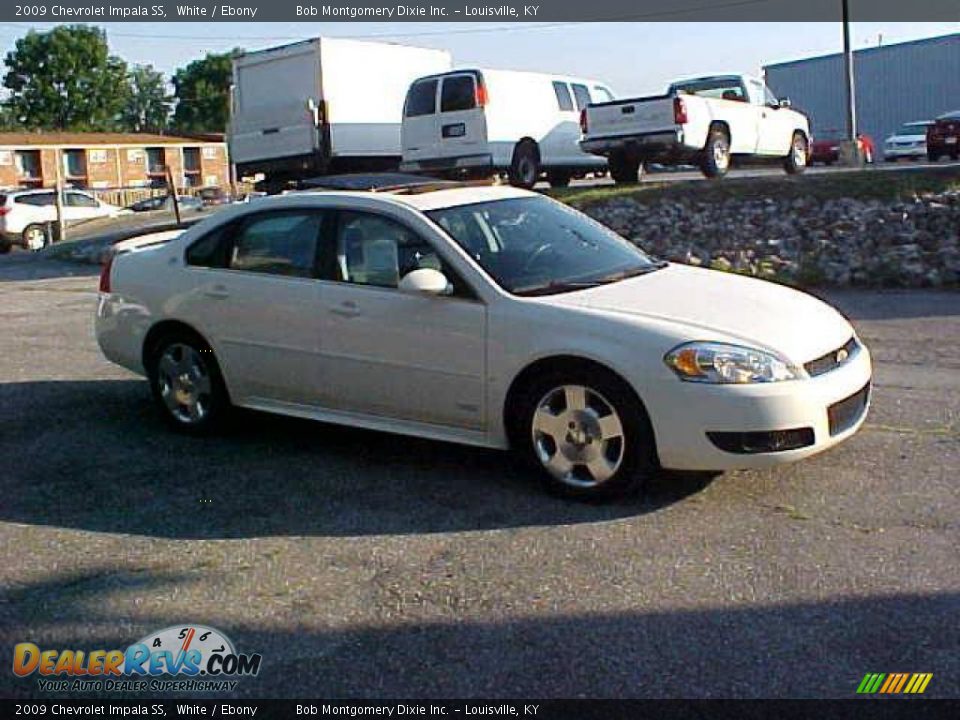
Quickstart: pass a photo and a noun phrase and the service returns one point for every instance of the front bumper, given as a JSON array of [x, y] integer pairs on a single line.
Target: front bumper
[[906, 151], [682, 427]]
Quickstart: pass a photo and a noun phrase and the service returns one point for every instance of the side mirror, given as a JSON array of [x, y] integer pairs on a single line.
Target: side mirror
[[425, 281], [784, 102]]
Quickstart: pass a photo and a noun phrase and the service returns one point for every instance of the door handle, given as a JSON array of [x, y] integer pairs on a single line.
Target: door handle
[[346, 309], [217, 291]]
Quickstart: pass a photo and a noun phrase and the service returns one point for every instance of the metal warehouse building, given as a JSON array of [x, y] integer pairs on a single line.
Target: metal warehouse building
[[894, 84]]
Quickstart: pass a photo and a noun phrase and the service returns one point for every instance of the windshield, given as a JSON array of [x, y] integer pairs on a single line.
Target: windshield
[[536, 246], [912, 130]]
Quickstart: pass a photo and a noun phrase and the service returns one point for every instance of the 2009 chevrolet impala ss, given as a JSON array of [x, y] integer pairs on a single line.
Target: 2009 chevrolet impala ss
[[482, 315]]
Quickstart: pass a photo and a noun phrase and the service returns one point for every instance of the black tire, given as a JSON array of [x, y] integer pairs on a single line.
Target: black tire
[[932, 156], [29, 233], [954, 156], [525, 166], [799, 156], [202, 364], [889, 159], [5, 246], [636, 451], [558, 178], [715, 162], [624, 168]]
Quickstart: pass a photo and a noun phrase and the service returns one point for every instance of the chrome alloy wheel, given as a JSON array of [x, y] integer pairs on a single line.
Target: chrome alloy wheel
[[36, 238], [799, 150], [578, 436], [185, 384], [721, 153]]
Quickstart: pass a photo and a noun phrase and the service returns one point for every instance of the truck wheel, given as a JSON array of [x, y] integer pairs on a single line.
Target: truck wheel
[[932, 156], [525, 168], [796, 162], [624, 169], [716, 154], [35, 237], [558, 179]]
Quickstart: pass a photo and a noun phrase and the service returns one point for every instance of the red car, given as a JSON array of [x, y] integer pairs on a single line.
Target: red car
[[826, 147], [943, 137]]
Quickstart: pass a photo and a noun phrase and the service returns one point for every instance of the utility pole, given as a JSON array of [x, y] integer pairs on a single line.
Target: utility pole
[[852, 154]]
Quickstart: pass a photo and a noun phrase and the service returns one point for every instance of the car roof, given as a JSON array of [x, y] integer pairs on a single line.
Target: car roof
[[952, 115], [420, 201]]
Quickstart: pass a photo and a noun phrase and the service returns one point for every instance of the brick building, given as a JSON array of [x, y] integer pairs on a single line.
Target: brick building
[[112, 160]]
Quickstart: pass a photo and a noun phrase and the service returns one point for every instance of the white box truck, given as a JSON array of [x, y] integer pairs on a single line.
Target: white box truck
[[326, 105]]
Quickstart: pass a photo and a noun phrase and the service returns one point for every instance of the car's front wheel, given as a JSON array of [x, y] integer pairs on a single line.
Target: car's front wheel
[[796, 162], [186, 383], [587, 433]]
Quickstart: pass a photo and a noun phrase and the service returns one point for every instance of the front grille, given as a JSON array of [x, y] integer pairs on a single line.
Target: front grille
[[845, 414], [833, 359]]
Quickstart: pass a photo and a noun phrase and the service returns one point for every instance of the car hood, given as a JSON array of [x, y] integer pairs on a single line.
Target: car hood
[[905, 138], [713, 305]]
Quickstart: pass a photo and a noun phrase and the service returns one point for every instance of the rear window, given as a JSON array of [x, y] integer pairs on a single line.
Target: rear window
[[457, 94], [422, 98], [564, 101], [602, 93], [582, 95]]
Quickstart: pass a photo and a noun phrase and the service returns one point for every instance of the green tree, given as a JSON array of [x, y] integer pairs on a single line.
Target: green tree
[[147, 107], [65, 79], [202, 89]]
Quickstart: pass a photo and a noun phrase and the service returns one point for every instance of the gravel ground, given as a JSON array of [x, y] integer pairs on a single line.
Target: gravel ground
[[366, 565]]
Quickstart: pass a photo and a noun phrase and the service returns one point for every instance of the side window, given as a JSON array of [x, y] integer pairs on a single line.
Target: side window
[[37, 199], [564, 101], [282, 243], [75, 199], [421, 99], [374, 250], [582, 95], [602, 94], [210, 251], [458, 94]]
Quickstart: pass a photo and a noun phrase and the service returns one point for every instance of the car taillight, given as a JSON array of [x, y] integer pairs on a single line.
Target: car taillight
[[679, 111], [583, 121], [105, 275], [480, 94], [4, 210]]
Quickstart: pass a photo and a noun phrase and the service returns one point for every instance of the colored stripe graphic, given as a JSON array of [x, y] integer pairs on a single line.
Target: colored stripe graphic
[[894, 683]]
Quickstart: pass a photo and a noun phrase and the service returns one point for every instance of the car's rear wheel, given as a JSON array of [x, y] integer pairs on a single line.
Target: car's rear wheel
[[558, 178], [35, 237], [186, 383], [525, 167], [587, 433], [624, 168], [796, 161], [932, 156], [716, 154], [5, 245]]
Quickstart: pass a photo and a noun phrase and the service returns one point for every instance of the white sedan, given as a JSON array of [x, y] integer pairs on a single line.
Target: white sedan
[[482, 315]]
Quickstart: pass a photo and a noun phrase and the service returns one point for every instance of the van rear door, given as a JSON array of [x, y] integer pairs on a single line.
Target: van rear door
[[462, 123], [419, 130]]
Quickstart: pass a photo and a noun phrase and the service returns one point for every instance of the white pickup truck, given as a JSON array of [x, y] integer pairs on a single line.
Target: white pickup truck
[[706, 120]]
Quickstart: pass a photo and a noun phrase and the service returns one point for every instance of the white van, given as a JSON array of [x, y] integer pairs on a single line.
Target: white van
[[482, 122]]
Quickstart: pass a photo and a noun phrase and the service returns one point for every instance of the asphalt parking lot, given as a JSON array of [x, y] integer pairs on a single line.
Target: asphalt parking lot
[[366, 565]]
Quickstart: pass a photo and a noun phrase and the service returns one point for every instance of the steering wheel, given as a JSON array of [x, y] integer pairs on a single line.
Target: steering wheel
[[536, 255]]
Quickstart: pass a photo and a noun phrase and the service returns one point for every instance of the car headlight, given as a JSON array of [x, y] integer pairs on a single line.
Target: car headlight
[[720, 363]]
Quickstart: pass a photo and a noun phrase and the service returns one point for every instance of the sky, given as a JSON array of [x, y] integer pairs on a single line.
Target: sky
[[632, 57]]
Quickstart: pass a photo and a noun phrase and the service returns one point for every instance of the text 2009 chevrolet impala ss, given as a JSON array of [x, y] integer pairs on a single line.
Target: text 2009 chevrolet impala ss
[[483, 315]]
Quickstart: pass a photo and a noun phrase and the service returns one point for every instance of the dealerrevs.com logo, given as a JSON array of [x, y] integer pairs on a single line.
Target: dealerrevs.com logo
[[177, 658]]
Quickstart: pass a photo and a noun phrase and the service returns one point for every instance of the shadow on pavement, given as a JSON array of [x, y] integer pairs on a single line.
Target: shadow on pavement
[[817, 649], [94, 455]]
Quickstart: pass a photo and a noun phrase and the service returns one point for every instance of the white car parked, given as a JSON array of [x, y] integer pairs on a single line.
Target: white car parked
[[26, 215], [483, 122], [909, 141], [483, 315]]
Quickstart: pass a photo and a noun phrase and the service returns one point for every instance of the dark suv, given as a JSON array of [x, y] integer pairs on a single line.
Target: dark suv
[[943, 137]]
